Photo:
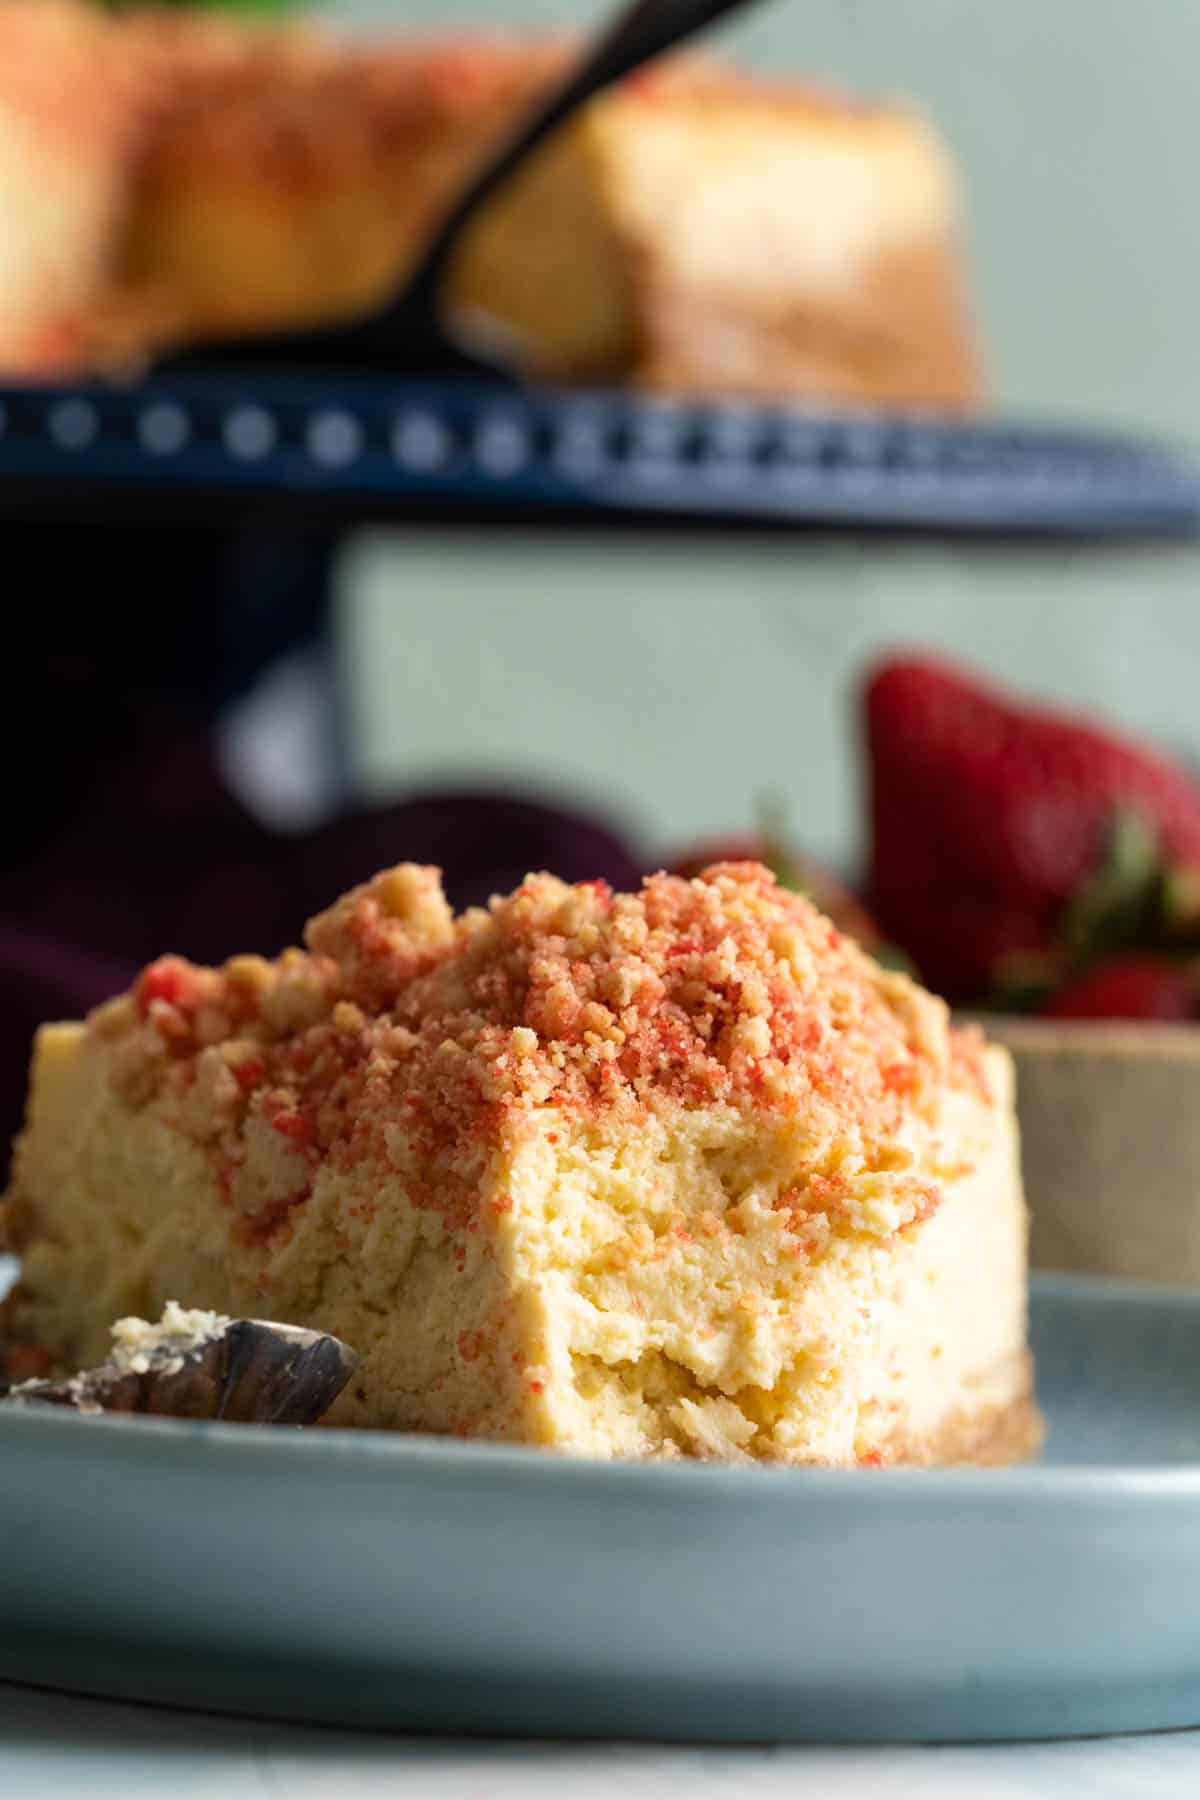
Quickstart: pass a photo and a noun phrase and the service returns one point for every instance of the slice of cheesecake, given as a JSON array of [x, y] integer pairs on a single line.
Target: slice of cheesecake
[[167, 177], [704, 233], [70, 127], [674, 1172]]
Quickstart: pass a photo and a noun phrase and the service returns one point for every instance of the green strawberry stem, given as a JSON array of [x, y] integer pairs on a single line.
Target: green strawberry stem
[[1131, 902], [1121, 905], [889, 956], [1024, 980]]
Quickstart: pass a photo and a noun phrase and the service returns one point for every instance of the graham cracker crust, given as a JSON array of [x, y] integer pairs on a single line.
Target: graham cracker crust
[[989, 1438]]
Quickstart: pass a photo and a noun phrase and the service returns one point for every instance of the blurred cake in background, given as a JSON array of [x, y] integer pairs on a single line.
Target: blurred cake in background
[[168, 177]]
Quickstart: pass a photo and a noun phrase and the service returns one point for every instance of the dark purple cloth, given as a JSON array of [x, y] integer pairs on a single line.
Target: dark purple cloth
[[166, 858]]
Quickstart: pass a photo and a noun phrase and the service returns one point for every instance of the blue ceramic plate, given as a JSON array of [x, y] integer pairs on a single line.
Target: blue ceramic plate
[[376, 1580], [360, 448]]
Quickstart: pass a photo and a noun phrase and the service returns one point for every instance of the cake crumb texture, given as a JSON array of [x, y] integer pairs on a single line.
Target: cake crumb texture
[[674, 1172]]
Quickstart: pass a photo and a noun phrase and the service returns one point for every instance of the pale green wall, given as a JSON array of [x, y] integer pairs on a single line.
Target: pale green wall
[[679, 688], [680, 680]]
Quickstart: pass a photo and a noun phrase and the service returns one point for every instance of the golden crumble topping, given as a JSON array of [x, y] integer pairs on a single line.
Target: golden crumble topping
[[407, 1035]]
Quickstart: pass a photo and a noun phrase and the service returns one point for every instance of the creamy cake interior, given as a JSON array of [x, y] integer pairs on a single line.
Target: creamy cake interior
[[674, 1172]]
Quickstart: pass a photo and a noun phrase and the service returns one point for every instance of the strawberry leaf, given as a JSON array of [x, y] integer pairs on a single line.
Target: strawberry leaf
[[888, 956], [1120, 905], [1181, 906], [1024, 981]]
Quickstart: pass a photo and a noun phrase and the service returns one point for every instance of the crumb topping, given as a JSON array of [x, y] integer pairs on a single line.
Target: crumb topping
[[302, 101], [139, 1346], [406, 1034], [221, 91]]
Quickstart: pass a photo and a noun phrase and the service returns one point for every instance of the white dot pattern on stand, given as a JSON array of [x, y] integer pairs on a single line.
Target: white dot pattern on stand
[[335, 439], [727, 464], [73, 423], [865, 441], [420, 441], [164, 428], [502, 446], [582, 443], [800, 450], [976, 454], [921, 449], [922, 481], [651, 469], [250, 432], [859, 478], [734, 432], [657, 431]]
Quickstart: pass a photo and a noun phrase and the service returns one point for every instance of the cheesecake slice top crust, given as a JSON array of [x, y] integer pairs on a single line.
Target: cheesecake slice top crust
[[673, 1172], [402, 1030]]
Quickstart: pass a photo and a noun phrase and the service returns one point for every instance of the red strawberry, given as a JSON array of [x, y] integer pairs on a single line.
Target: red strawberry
[[987, 817], [1127, 987]]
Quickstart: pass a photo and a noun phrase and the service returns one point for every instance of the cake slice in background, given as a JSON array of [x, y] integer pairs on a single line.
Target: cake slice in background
[[177, 174], [70, 133], [172, 177], [775, 241], [678, 1172]]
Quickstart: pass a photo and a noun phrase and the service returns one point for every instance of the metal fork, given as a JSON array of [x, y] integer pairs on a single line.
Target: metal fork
[[411, 334]]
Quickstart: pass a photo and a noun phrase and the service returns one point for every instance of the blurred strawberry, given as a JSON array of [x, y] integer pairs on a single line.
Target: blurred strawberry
[[1136, 986], [988, 819]]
